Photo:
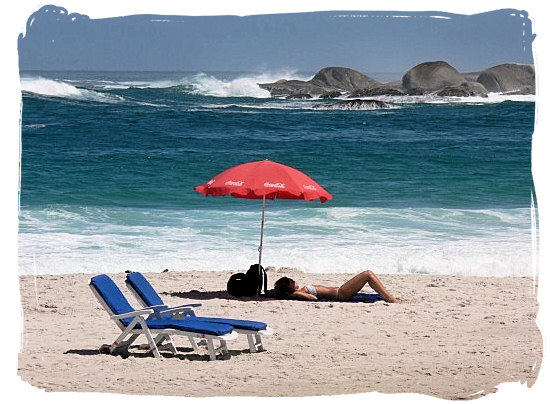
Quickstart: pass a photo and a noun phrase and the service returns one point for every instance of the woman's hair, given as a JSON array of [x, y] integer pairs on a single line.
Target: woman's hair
[[284, 287]]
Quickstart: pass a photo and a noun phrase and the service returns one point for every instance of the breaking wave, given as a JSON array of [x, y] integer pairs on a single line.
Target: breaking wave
[[54, 88], [205, 84], [224, 86]]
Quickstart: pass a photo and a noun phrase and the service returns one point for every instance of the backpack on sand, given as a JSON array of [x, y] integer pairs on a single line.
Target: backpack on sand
[[249, 284]]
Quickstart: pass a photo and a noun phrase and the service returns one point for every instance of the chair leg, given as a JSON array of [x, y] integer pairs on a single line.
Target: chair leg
[[211, 350], [194, 344], [251, 344], [169, 343], [150, 339], [119, 342], [223, 348], [255, 346], [259, 342]]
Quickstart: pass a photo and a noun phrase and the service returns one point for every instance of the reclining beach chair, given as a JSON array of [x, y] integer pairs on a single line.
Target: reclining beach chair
[[134, 323], [148, 297]]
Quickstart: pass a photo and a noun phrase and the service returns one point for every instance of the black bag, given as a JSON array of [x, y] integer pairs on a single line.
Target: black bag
[[237, 285], [249, 284], [257, 277]]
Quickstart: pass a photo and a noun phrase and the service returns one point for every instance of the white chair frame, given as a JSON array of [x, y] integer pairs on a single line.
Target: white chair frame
[[255, 343], [163, 336]]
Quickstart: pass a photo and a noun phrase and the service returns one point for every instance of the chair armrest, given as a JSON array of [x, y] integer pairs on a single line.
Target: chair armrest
[[132, 314], [190, 305], [164, 307], [185, 309], [193, 304], [158, 307], [158, 310], [176, 310]]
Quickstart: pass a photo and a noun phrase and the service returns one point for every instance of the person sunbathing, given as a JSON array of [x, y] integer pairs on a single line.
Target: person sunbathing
[[287, 288]]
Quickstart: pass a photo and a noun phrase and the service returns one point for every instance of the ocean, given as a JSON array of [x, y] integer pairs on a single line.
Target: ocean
[[109, 160]]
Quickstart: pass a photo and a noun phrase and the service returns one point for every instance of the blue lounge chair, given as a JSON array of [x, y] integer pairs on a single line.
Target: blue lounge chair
[[134, 323], [148, 297]]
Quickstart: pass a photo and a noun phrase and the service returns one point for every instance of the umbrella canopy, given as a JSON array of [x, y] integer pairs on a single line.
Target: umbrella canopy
[[264, 179]]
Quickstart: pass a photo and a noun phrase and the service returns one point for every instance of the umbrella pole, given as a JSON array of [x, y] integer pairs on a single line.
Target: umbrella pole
[[261, 245]]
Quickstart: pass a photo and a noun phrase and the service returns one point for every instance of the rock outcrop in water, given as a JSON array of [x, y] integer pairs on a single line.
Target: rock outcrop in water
[[373, 92], [466, 89], [353, 105], [329, 80], [437, 78], [342, 78]]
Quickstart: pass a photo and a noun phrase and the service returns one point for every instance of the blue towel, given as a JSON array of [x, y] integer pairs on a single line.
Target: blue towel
[[366, 298]]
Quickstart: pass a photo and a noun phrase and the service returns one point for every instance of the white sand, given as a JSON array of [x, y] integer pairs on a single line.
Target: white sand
[[450, 338]]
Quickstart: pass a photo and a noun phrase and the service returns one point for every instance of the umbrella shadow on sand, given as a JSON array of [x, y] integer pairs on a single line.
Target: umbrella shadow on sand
[[215, 294]]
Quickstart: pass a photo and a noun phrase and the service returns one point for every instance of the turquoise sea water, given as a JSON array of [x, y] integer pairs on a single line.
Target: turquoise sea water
[[109, 161]]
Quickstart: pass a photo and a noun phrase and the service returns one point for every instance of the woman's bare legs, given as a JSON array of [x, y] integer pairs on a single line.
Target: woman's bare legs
[[355, 284]]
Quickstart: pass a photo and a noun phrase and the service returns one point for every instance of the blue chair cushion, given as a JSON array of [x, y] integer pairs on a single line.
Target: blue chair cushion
[[142, 286], [151, 298], [118, 304], [112, 295], [240, 324], [190, 325]]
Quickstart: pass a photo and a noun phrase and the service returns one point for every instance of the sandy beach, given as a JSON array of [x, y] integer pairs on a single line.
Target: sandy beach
[[452, 337]]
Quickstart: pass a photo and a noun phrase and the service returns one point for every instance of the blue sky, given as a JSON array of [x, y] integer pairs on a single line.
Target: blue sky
[[57, 38]]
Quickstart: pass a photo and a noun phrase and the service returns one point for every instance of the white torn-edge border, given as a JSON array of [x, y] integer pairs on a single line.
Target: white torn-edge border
[[15, 18]]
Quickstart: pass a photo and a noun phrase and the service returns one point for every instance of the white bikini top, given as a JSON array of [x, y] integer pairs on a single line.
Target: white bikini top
[[311, 290]]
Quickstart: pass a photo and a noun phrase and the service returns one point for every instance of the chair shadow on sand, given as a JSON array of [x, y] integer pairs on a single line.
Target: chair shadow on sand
[[136, 351]]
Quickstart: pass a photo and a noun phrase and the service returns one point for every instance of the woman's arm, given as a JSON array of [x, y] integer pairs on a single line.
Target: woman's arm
[[299, 295]]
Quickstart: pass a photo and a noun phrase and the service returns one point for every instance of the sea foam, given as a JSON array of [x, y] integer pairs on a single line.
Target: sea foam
[[242, 86], [54, 88], [489, 242]]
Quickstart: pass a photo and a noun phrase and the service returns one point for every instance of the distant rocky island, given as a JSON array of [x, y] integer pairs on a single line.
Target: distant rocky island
[[438, 78]]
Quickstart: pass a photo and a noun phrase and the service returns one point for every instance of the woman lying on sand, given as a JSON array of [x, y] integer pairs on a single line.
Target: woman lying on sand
[[286, 288]]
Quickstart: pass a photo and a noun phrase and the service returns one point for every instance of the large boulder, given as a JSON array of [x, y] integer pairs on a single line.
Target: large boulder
[[326, 81], [509, 78], [431, 76], [342, 78], [438, 78]]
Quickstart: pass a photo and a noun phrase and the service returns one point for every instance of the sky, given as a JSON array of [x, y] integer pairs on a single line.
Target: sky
[[16, 16], [59, 38]]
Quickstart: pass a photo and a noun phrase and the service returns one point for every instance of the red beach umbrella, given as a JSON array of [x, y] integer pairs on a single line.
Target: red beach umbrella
[[264, 179]]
